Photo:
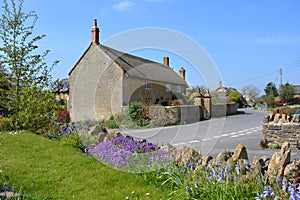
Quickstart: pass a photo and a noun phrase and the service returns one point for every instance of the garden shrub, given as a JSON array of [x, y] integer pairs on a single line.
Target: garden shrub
[[76, 136], [288, 110], [36, 111], [135, 112], [64, 116], [5, 124], [111, 123]]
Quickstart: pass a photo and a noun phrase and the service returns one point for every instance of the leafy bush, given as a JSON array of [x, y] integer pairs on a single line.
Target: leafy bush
[[36, 111], [135, 112], [5, 124], [76, 136], [111, 123], [235, 97], [288, 110]]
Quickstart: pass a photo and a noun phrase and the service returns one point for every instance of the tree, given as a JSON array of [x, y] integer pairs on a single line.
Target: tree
[[29, 73], [235, 97], [18, 49], [4, 84], [269, 100], [252, 91], [271, 89], [287, 93]]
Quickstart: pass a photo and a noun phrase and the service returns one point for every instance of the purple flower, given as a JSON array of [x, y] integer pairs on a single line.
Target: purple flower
[[122, 152], [196, 184], [184, 171], [187, 188], [248, 166], [237, 167]]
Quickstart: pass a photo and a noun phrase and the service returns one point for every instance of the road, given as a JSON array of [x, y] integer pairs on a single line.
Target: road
[[210, 137]]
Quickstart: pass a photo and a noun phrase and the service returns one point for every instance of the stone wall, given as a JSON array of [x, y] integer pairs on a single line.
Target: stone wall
[[280, 128], [162, 115], [222, 110]]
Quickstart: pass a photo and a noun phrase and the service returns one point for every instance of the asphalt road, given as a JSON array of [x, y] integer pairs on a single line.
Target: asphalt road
[[210, 137]]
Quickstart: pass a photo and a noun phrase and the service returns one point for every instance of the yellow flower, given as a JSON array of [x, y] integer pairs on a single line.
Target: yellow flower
[[1, 171]]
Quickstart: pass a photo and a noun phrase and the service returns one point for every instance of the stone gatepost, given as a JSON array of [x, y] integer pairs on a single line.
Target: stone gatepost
[[207, 105]]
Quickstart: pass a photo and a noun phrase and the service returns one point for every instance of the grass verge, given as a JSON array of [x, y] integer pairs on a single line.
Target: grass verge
[[46, 169]]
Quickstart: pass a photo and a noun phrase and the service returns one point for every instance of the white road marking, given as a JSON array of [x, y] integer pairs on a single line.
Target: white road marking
[[224, 135], [194, 141], [235, 136], [178, 144], [232, 134]]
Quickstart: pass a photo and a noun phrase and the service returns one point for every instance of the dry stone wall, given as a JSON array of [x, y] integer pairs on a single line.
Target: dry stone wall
[[280, 128]]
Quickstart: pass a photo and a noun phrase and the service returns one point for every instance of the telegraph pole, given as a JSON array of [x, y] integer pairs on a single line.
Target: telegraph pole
[[280, 78]]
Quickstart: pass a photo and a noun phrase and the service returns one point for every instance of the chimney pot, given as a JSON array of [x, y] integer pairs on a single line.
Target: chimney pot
[[95, 33], [166, 61], [182, 73], [220, 84]]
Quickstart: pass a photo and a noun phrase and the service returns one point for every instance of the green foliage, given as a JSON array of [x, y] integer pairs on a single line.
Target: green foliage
[[287, 93], [111, 123], [36, 111], [271, 90], [5, 124], [235, 97], [24, 74], [135, 111], [73, 139], [269, 99], [4, 84], [288, 110]]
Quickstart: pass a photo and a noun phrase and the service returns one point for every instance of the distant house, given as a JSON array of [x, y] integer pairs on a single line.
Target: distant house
[[104, 80], [297, 89], [62, 91], [226, 90], [246, 100]]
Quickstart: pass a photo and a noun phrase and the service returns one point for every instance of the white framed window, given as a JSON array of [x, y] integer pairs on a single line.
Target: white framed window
[[178, 89], [168, 87], [148, 85]]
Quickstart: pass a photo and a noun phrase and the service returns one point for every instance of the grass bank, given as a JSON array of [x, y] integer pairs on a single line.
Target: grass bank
[[47, 169]]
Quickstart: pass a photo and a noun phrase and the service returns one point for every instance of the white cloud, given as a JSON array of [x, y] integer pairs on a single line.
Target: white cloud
[[124, 5]]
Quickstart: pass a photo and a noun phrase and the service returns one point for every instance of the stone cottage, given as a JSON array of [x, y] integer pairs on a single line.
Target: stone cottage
[[104, 80]]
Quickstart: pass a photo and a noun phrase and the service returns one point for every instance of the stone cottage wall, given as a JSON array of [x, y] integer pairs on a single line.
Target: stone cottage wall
[[279, 128]]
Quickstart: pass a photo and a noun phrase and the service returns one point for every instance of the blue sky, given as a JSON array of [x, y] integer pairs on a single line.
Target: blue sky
[[249, 41]]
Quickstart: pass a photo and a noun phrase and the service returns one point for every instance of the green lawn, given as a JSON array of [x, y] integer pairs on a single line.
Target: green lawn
[[47, 169]]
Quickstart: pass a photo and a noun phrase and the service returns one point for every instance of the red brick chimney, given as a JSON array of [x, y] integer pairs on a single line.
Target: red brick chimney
[[166, 61], [95, 33], [182, 73]]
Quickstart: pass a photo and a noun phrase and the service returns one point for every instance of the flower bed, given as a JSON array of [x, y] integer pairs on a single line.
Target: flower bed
[[195, 179], [132, 155]]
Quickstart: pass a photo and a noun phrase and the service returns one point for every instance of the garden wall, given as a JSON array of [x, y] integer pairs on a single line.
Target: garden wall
[[278, 128], [162, 115], [222, 110]]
